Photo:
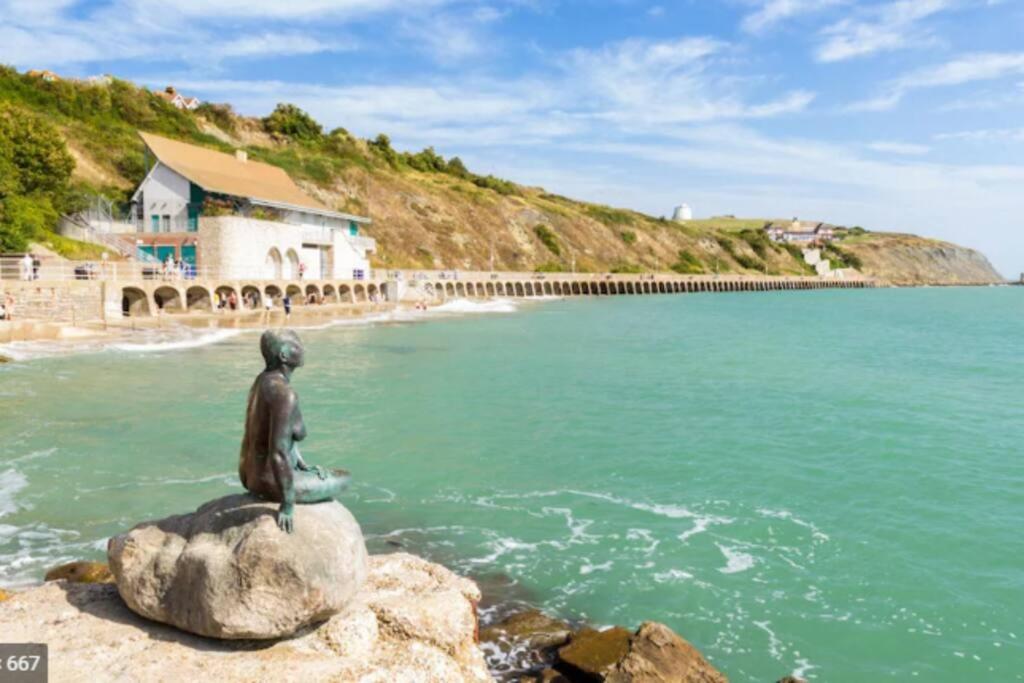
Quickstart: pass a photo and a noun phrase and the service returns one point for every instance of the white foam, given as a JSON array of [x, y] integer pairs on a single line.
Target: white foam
[[672, 576], [179, 344], [588, 568], [11, 482], [467, 306], [736, 560]]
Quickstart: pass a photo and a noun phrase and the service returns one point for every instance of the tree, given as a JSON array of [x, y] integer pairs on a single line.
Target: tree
[[289, 121], [35, 170]]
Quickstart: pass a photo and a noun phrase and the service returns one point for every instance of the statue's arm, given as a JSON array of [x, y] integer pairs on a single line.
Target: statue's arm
[[281, 444]]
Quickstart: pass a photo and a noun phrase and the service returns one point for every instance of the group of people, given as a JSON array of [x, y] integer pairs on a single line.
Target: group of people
[[7, 308], [178, 269]]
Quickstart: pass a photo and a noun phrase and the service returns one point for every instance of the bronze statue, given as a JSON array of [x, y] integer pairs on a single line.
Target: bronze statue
[[270, 465]]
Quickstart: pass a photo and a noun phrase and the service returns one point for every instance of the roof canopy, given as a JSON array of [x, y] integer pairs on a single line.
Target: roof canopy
[[227, 174]]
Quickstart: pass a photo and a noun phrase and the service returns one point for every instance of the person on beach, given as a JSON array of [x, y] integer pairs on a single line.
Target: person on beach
[[302, 270], [26, 267], [35, 267], [3, 311], [287, 302], [233, 301], [268, 308]]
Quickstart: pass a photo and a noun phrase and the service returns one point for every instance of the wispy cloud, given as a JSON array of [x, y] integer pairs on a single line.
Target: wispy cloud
[[892, 26], [773, 12], [985, 66], [985, 135], [902, 148]]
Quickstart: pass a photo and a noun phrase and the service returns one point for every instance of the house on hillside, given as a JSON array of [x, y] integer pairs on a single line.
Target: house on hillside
[[800, 232], [178, 100], [241, 218], [45, 74]]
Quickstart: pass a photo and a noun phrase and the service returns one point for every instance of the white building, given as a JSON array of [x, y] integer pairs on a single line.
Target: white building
[[801, 232], [241, 218], [682, 213]]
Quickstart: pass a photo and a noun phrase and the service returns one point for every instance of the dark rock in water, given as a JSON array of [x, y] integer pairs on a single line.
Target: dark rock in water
[[81, 572], [532, 627], [791, 679], [545, 676], [593, 655], [524, 643], [654, 654]]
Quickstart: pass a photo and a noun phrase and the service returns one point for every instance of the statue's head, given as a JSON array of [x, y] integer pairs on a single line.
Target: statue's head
[[282, 347]]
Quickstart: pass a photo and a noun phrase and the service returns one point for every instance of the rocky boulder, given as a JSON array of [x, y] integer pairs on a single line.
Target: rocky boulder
[[412, 621], [654, 654], [227, 571], [81, 572]]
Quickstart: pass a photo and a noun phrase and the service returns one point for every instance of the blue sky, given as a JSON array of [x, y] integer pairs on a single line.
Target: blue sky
[[895, 115]]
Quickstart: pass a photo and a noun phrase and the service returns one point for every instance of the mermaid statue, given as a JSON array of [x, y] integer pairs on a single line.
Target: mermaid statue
[[270, 465]]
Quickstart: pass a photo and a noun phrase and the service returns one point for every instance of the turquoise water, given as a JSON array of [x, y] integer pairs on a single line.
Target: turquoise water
[[829, 482]]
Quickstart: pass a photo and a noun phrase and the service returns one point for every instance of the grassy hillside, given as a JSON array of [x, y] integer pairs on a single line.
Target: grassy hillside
[[428, 212]]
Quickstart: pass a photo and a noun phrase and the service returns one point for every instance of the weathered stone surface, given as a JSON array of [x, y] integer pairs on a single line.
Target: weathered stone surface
[[81, 572], [227, 571], [93, 636], [658, 655], [654, 654], [592, 655]]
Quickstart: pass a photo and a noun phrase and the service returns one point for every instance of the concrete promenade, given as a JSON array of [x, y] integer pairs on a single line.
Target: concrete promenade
[[107, 298]]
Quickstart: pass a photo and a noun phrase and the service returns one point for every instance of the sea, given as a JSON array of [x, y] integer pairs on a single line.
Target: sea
[[827, 483]]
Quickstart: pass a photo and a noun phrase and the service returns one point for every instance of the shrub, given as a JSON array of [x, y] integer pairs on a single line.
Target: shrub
[[221, 115], [427, 161], [628, 236], [504, 187], [841, 257], [609, 216], [456, 168], [688, 264], [550, 240], [743, 260], [758, 241], [289, 121], [630, 268], [549, 267]]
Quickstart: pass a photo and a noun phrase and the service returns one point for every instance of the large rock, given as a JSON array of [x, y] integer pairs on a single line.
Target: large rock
[[81, 572], [654, 654], [412, 621], [227, 571]]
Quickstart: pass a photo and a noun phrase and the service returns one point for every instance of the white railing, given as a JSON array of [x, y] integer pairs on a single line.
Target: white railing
[[16, 269]]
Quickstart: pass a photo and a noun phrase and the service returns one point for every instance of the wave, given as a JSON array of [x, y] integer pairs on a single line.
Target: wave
[[11, 482], [736, 561], [467, 306], [179, 344]]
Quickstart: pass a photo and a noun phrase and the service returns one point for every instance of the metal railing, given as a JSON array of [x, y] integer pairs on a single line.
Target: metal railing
[[16, 269]]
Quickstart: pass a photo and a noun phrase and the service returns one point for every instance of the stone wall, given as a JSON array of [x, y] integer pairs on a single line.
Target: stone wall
[[55, 301]]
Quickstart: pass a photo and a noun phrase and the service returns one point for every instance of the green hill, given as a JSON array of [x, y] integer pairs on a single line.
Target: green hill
[[428, 211]]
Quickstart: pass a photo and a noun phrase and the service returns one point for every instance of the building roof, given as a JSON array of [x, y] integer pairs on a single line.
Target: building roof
[[228, 174]]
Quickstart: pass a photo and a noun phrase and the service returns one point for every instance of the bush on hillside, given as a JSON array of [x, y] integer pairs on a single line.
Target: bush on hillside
[[548, 237], [688, 264], [628, 268], [841, 258], [628, 236], [505, 187], [35, 169], [289, 121], [221, 115]]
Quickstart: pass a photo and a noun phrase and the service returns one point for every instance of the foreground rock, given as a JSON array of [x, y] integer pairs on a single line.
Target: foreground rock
[[227, 571], [412, 621], [523, 642], [81, 572], [654, 654]]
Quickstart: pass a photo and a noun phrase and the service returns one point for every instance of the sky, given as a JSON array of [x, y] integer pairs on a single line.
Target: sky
[[897, 115]]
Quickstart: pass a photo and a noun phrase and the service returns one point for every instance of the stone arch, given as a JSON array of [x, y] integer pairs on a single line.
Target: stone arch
[[449, 289], [273, 265], [548, 290], [198, 299], [489, 288], [359, 294], [169, 299], [134, 302], [330, 294], [295, 294], [273, 292], [225, 292], [372, 292], [520, 290], [499, 289], [528, 289], [249, 291], [345, 294], [460, 289], [290, 270], [312, 290]]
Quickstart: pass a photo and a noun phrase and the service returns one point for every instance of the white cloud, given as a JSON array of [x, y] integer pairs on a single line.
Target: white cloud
[[984, 66], [278, 44], [773, 12], [883, 28], [902, 148], [986, 135]]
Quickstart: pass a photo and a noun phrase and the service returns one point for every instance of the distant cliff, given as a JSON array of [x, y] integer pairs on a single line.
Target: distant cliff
[[432, 212], [912, 260]]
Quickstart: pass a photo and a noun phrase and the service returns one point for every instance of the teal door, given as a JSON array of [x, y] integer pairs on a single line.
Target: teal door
[[188, 254], [162, 252]]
